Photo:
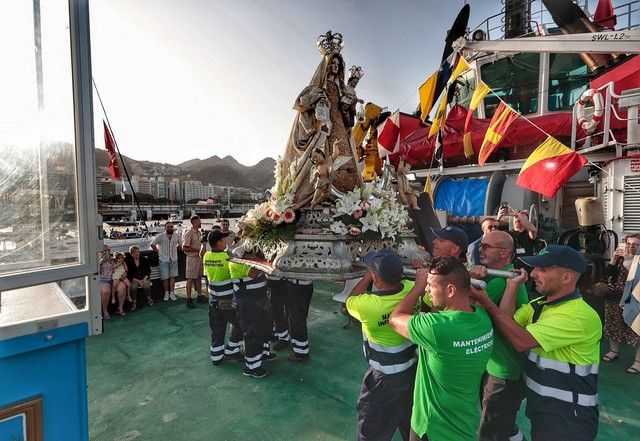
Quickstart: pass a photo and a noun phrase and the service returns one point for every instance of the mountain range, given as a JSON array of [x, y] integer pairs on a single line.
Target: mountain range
[[213, 170]]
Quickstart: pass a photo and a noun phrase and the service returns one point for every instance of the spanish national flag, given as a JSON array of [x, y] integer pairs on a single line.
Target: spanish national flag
[[478, 95], [549, 167], [498, 126]]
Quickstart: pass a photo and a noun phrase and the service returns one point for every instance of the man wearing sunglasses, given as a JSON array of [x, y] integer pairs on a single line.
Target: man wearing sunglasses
[[502, 384], [488, 223]]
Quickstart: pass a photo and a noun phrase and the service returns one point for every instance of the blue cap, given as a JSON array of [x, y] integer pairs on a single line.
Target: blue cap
[[215, 235], [453, 234], [558, 255], [386, 264]]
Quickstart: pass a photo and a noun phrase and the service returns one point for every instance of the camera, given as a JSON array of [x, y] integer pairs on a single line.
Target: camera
[[504, 205]]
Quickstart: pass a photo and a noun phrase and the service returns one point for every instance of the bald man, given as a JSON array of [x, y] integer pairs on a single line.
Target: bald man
[[502, 384]]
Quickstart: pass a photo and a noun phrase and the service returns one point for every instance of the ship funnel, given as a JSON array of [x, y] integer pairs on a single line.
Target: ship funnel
[[572, 20]]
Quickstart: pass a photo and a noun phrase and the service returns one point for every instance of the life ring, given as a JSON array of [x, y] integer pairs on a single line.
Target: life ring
[[593, 96]]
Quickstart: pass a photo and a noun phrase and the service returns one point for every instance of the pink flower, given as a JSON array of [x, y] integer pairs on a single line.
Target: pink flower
[[289, 215], [357, 213], [276, 217]]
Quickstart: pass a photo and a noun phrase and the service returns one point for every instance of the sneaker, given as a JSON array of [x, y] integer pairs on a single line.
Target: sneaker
[[255, 373], [269, 357], [172, 296], [298, 358], [166, 297], [190, 304], [234, 357], [280, 345]]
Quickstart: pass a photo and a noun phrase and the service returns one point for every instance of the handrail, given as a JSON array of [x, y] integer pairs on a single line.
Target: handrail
[[542, 19]]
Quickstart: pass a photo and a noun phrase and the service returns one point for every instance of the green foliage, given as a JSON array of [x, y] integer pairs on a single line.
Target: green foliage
[[266, 234]]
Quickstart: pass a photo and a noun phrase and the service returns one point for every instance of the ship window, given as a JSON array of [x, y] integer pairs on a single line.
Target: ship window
[[38, 197], [568, 78], [48, 225], [515, 80]]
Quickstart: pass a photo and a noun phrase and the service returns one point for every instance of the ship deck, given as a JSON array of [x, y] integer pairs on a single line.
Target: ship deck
[[150, 378]]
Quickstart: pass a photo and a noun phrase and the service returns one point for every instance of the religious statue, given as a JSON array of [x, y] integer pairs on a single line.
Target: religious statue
[[320, 123], [322, 174], [350, 99], [407, 195]]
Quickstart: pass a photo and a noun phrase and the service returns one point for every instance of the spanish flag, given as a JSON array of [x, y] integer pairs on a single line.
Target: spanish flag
[[549, 167], [478, 95], [439, 118], [498, 126]]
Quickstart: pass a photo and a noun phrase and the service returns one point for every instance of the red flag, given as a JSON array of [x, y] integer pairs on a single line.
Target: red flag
[[110, 147], [549, 167], [498, 127], [604, 15], [389, 135]]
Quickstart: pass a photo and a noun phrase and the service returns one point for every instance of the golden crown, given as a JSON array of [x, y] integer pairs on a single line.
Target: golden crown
[[356, 72], [330, 43]]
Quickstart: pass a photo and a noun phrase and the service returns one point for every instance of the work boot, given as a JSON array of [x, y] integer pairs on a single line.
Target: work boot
[[190, 304], [255, 373]]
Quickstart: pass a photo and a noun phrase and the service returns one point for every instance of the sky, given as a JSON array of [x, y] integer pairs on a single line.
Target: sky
[[184, 79]]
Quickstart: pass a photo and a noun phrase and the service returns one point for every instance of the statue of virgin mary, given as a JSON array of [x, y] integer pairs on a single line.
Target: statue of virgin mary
[[320, 124]]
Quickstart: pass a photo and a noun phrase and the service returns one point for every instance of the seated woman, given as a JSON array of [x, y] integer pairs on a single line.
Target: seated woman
[[139, 274], [106, 281], [614, 326]]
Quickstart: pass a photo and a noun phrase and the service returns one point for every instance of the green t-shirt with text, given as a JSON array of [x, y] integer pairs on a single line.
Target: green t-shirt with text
[[216, 266], [505, 361], [454, 347]]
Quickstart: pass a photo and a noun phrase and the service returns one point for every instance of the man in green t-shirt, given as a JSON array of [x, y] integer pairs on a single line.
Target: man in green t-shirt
[[560, 334], [454, 345], [385, 399], [502, 385]]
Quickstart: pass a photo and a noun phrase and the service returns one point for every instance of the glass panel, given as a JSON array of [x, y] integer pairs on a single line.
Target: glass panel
[[42, 301], [465, 87], [515, 80], [38, 199], [568, 78]]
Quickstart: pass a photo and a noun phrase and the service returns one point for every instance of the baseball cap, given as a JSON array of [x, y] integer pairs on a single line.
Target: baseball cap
[[558, 255], [215, 236], [385, 263], [453, 234]]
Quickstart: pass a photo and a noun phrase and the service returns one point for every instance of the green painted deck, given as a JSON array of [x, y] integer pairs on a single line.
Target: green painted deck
[[150, 378]]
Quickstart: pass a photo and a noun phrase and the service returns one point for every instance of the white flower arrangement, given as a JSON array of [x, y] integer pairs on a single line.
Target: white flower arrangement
[[370, 208]]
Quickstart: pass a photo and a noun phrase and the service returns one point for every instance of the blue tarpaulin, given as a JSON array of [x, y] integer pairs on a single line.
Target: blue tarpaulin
[[462, 197]]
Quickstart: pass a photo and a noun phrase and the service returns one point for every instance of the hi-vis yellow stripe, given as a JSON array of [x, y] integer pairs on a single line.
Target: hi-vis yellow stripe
[[550, 148]]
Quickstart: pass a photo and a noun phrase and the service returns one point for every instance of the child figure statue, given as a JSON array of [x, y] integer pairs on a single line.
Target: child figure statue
[[322, 174], [406, 194]]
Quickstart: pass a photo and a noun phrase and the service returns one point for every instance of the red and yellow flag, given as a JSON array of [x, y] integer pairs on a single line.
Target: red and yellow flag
[[498, 126], [478, 95], [549, 167]]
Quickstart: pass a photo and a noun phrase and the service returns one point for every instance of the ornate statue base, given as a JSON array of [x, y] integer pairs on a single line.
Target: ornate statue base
[[317, 254]]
